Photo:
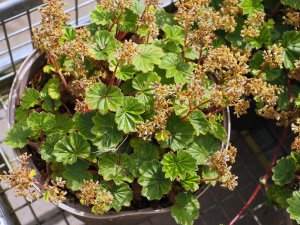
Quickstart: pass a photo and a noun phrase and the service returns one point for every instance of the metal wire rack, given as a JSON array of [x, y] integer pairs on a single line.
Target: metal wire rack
[[17, 18]]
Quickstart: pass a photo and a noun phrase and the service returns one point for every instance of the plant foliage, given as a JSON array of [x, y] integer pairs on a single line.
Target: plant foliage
[[128, 111]]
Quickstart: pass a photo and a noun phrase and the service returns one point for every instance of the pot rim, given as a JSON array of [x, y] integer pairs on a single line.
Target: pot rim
[[15, 94]]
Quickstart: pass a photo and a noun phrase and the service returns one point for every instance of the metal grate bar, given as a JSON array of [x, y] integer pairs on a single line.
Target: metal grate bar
[[30, 24], [8, 46], [76, 12]]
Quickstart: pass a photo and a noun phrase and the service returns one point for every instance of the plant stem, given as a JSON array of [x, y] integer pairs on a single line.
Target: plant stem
[[209, 179], [61, 76], [186, 37], [291, 92], [263, 67], [196, 107], [264, 180], [92, 171], [276, 8], [116, 19], [111, 82], [121, 36], [200, 55], [217, 110]]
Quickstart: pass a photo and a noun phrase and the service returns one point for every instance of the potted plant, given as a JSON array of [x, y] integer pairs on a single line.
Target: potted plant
[[124, 116]]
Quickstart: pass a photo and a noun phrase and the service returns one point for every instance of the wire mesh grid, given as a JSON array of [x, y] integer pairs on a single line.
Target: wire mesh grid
[[16, 32], [217, 206]]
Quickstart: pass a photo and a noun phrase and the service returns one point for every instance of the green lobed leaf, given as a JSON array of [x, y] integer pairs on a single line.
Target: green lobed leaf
[[69, 65], [203, 147], [164, 18], [69, 34], [142, 82], [144, 150], [104, 46], [294, 206], [128, 21], [122, 195], [291, 44], [235, 37], [30, 98], [251, 6], [153, 180], [279, 195], [83, 123], [101, 16], [75, 174], [176, 68], [129, 115], [264, 38], [179, 138], [41, 121], [21, 115], [178, 165], [186, 209], [107, 134], [146, 57], [295, 155], [70, 148], [209, 173], [115, 167], [103, 98], [63, 124], [48, 69], [284, 171], [47, 147], [199, 122], [125, 72], [292, 3], [137, 7], [174, 33], [18, 136], [217, 129], [190, 182], [181, 105], [49, 104], [53, 88]]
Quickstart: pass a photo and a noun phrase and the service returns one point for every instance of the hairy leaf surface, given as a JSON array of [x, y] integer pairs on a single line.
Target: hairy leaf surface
[[284, 171], [153, 180], [103, 98], [178, 165], [129, 115], [176, 68], [18, 136], [186, 208], [70, 148], [203, 147], [106, 130], [147, 57], [115, 167], [75, 174], [179, 138], [294, 206], [122, 195]]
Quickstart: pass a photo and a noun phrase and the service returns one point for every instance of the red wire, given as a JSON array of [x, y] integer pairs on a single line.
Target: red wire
[[265, 178]]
